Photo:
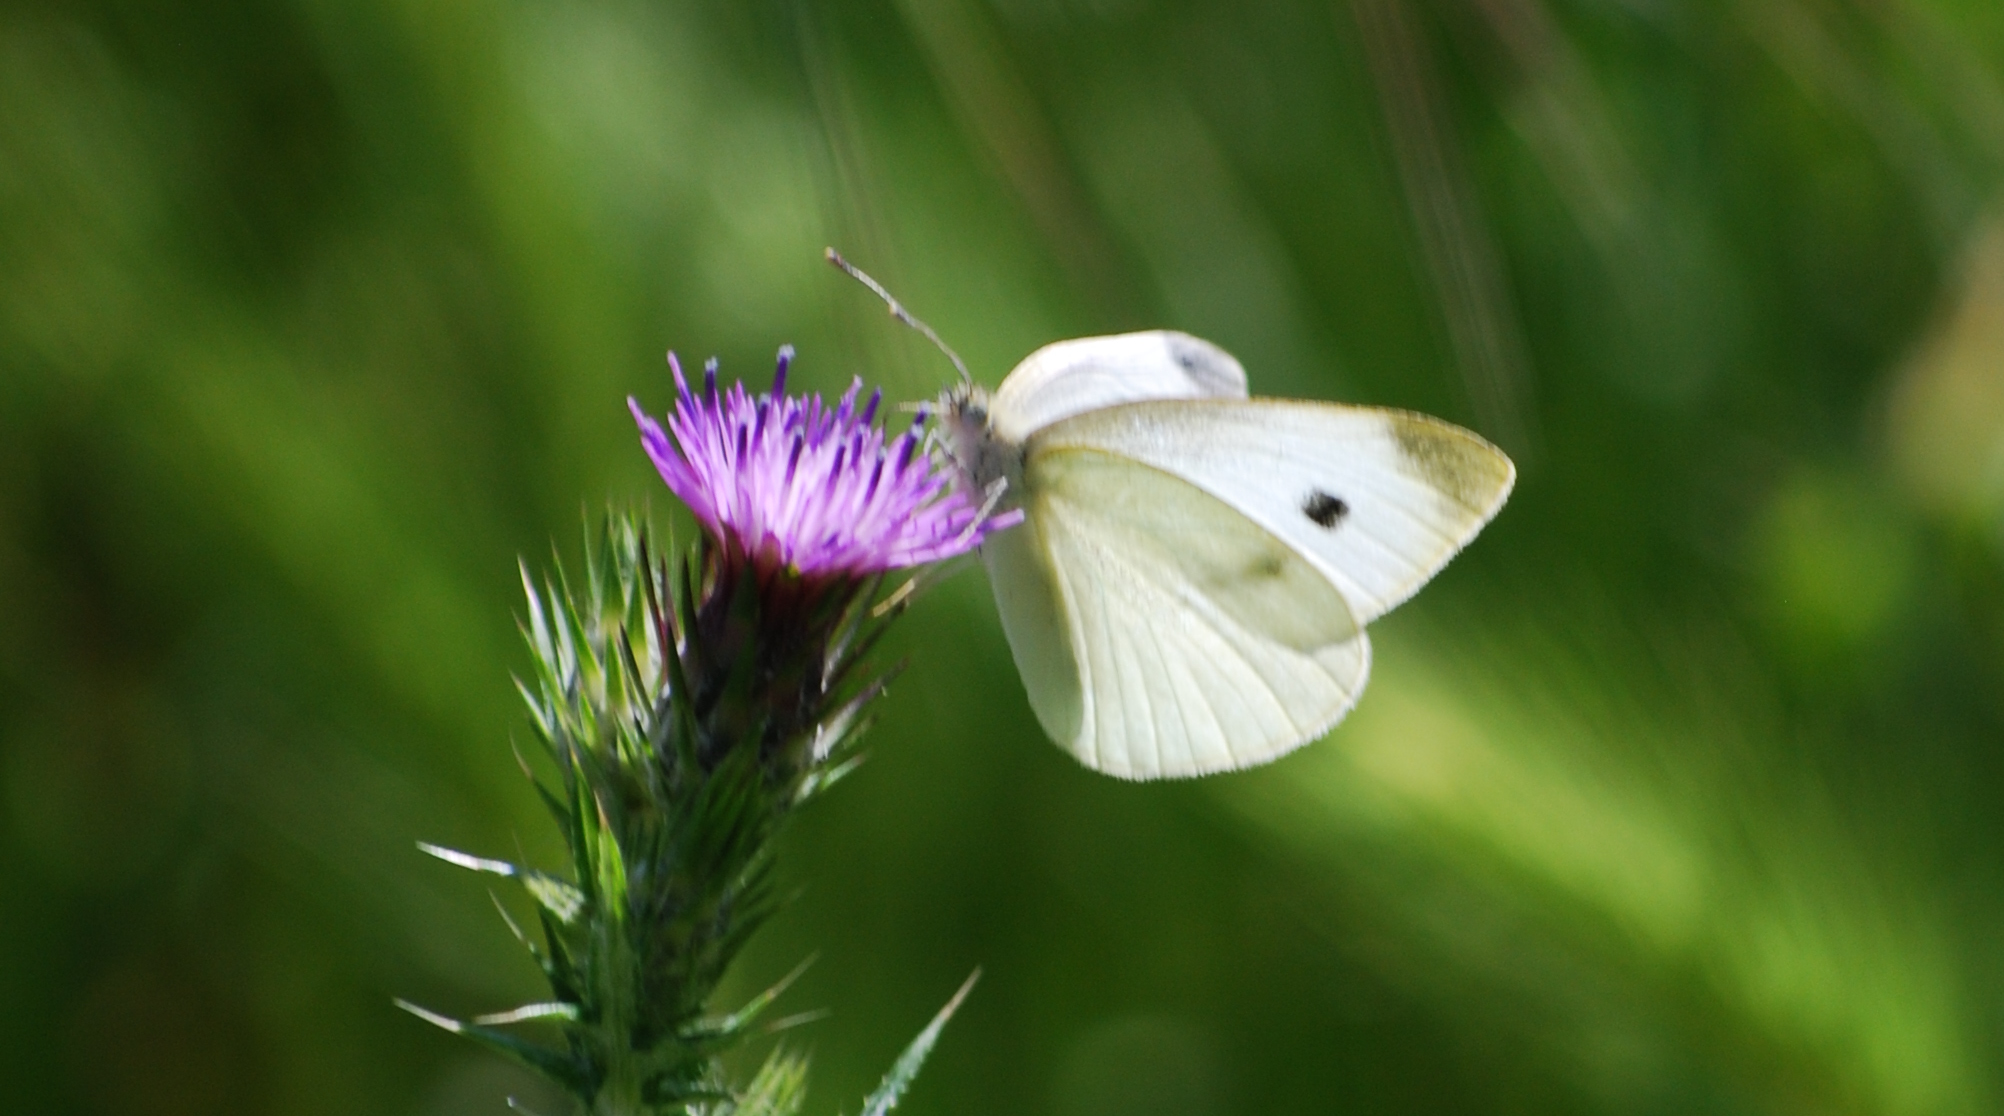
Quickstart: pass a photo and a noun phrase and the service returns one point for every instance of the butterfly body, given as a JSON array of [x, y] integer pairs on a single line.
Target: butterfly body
[[1188, 590]]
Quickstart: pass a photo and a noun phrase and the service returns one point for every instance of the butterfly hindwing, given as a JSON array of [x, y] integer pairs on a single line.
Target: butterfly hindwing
[[1161, 633]]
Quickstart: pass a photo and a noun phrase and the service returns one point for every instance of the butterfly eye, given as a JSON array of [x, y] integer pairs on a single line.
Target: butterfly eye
[[1324, 509]]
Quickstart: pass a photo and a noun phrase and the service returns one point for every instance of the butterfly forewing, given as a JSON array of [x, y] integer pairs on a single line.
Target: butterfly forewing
[[1375, 500]]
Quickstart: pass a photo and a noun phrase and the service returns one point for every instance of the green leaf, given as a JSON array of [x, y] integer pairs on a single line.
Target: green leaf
[[515, 928], [539, 628], [528, 1012], [728, 1027], [538, 712], [559, 1067], [610, 865], [556, 896], [561, 965], [908, 1063], [820, 779], [837, 729], [555, 805], [778, 1089], [468, 861]]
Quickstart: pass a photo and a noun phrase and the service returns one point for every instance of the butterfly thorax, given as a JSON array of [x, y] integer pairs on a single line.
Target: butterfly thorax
[[984, 461]]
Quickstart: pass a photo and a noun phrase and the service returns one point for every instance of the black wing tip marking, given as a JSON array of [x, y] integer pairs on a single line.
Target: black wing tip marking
[[1209, 367], [1325, 509]]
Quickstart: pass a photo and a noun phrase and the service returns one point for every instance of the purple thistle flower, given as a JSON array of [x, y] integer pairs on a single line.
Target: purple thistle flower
[[790, 483]]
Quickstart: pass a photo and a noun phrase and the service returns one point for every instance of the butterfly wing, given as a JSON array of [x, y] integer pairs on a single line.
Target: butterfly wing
[[1067, 378], [1375, 501], [1159, 632]]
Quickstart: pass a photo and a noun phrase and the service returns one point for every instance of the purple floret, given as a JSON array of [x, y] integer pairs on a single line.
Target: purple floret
[[791, 483]]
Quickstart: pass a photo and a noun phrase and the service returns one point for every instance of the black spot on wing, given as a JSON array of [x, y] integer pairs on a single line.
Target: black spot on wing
[[1324, 509]]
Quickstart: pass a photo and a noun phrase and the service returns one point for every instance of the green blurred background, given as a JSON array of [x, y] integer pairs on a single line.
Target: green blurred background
[[1681, 792]]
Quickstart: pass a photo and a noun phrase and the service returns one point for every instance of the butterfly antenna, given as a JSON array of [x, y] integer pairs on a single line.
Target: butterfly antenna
[[900, 313]]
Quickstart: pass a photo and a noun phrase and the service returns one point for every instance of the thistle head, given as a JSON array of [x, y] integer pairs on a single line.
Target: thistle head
[[792, 485]]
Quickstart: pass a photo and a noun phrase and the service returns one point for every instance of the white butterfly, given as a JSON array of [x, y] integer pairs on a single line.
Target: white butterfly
[[1189, 588]]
